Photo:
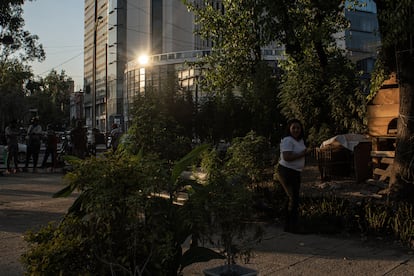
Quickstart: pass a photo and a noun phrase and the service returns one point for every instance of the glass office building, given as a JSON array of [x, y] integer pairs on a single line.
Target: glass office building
[[118, 31], [362, 39]]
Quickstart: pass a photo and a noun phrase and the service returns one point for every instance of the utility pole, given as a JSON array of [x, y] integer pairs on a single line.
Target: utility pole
[[94, 66]]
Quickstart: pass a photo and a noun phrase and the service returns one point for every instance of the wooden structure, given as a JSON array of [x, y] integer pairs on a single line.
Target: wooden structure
[[383, 113], [345, 155]]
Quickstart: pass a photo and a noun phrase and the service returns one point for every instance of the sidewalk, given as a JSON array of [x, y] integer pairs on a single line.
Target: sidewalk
[[283, 253], [26, 203]]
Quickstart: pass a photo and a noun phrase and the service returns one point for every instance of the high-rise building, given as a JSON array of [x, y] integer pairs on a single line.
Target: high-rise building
[[95, 65], [362, 39], [118, 31]]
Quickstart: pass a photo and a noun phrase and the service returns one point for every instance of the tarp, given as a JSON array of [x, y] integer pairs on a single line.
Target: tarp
[[349, 141]]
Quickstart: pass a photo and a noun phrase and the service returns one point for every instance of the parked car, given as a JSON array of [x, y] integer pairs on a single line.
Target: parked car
[[21, 155]]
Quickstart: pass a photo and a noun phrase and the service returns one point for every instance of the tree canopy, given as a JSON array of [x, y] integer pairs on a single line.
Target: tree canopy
[[25, 46], [316, 79], [21, 48]]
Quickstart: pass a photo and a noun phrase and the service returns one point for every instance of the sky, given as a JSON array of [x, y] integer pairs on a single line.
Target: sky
[[59, 25]]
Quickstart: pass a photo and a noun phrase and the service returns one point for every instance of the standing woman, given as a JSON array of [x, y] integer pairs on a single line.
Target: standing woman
[[291, 163]]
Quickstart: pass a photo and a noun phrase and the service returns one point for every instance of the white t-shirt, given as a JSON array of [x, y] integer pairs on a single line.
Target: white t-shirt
[[291, 144]]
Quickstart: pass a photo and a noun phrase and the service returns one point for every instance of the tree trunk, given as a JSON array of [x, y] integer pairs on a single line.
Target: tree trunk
[[401, 181]]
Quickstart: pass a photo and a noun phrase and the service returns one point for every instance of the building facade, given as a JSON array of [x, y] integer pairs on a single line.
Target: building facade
[[362, 40], [118, 31]]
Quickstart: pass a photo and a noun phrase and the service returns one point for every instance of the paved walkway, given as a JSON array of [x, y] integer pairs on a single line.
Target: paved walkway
[[26, 203]]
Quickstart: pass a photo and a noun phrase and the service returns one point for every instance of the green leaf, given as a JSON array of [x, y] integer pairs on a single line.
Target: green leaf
[[67, 191], [186, 161], [199, 254]]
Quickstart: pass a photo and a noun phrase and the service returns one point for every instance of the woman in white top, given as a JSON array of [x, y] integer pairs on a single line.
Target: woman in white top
[[291, 163]]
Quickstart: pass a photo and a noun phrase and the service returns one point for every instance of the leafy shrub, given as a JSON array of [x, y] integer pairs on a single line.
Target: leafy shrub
[[228, 202], [387, 220], [325, 215], [125, 221], [116, 224], [376, 218], [402, 223], [155, 129], [248, 157]]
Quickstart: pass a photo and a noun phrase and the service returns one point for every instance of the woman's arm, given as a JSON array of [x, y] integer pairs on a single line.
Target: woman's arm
[[291, 156]]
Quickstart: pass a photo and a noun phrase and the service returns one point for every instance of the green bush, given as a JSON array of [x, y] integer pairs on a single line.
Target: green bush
[[402, 223], [393, 220], [325, 215], [116, 224], [248, 156], [127, 219], [227, 200]]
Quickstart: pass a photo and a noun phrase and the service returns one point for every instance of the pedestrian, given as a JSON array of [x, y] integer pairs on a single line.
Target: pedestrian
[[34, 140], [79, 140], [116, 133], [92, 141], [12, 137], [291, 163], [51, 147]]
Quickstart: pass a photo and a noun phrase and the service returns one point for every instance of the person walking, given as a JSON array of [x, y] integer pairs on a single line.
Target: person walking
[[51, 147], [12, 137], [34, 140], [79, 139], [291, 163], [116, 133]]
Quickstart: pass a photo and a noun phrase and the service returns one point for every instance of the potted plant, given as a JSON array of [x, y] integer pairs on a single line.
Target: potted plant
[[228, 199]]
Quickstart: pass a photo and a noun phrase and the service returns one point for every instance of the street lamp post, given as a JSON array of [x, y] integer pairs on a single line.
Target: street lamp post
[[94, 78], [106, 88], [95, 29]]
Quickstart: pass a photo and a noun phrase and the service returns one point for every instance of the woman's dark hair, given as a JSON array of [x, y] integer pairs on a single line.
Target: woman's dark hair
[[289, 124]]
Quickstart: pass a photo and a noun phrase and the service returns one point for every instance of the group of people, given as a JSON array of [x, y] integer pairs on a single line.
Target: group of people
[[79, 140], [35, 135], [34, 138]]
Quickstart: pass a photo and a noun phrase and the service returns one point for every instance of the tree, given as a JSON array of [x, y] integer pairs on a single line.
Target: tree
[[319, 85], [157, 127], [236, 32], [25, 46], [14, 70], [51, 97], [239, 29], [327, 100], [12, 102], [58, 88], [396, 23]]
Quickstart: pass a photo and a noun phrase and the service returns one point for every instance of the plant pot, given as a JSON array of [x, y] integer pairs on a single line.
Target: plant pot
[[230, 270]]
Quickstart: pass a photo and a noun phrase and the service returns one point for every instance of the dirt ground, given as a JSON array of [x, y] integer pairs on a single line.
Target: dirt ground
[[341, 186]]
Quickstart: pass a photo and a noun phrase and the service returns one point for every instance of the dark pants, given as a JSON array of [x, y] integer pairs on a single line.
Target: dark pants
[[290, 181], [13, 150], [52, 152], [33, 150]]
